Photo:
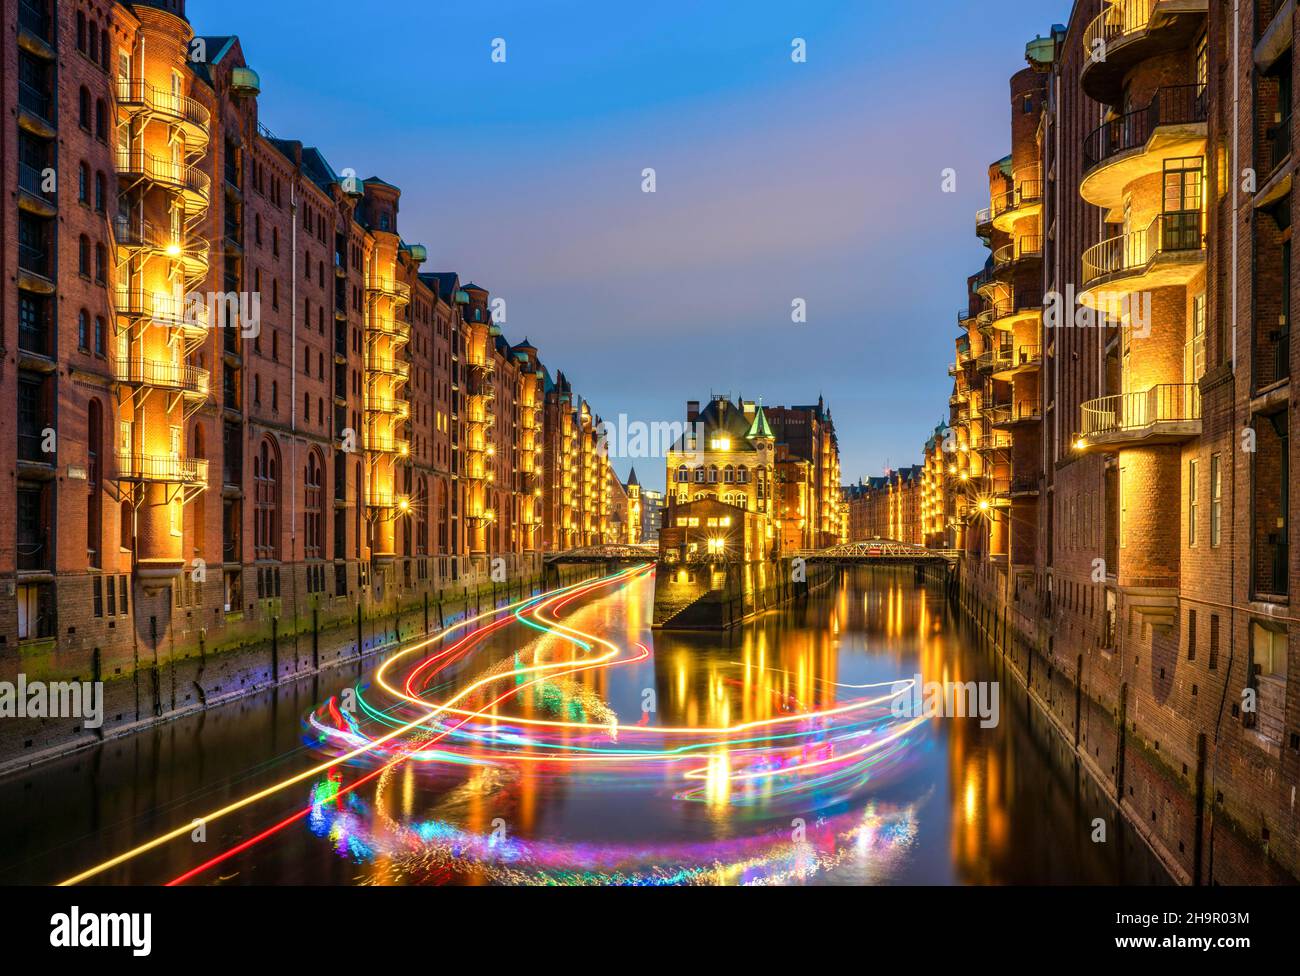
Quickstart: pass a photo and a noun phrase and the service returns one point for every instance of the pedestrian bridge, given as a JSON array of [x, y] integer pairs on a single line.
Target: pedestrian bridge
[[878, 551], [640, 553]]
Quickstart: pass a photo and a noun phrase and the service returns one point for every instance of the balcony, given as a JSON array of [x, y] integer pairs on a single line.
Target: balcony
[[193, 185], [36, 112], [1023, 359], [35, 28], [1130, 31], [384, 498], [383, 403], [1165, 414], [1170, 252], [163, 309], [162, 468], [993, 360], [380, 442], [142, 237], [1007, 208], [33, 197], [192, 381], [1135, 145], [398, 292], [383, 326], [1022, 249], [388, 366], [190, 115], [1022, 414]]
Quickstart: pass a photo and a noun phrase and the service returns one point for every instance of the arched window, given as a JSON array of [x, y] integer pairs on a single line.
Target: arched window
[[728, 474], [94, 479], [100, 194], [101, 119], [699, 475], [713, 474], [266, 501], [81, 31], [681, 473], [313, 529], [101, 260], [83, 331], [94, 41], [83, 255], [103, 48], [742, 475], [83, 183], [83, 108]]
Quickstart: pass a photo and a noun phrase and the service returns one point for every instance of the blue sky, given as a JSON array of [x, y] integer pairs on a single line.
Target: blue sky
[[775, 181]]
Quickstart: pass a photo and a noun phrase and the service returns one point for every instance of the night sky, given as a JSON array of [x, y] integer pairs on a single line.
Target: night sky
[[774, 181]]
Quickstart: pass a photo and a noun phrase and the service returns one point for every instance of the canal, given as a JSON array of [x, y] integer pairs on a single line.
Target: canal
[[574, 745]]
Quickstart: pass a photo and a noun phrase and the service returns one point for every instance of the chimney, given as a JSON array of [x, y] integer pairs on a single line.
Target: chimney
[[692, 411]]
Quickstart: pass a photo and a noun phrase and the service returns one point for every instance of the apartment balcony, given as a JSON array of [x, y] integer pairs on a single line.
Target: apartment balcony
[[1169, 252], [1025, 200], [1128, 32], [36, 110], [387, 500], [1169, 413], [163, 309], [36, 29], [191, 183], [388, 405], [191, 381], [1010, 256], [1024, 358], [388, 366], [1014, 415], [143, 238], [162, 468], [1023, 488], [993, 443], [32, 196], [396, 291], [390, 327], [994, 360], [188, 114], [379, 442], [959, 398], [1137, 144]]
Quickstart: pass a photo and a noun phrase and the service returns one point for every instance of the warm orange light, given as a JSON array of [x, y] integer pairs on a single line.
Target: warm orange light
[[173, 250]]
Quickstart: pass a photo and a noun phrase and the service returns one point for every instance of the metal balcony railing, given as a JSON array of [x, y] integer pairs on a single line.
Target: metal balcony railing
[[1119, 20], [1165, 403], [39, 103], [177, 176], [164, 375], [33, 15], [386, 443], [162, 467], [1019, 249], [388, 365], [1174, 105], [162, 102], [389, 288], [32, 180], [1177, 231], [162, 308], [1279, 143]]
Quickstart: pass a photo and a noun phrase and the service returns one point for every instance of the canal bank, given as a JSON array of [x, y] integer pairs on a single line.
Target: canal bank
[[1174, 807], [178, 671]]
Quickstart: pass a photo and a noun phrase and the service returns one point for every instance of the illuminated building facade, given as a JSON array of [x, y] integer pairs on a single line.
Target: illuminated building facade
[[1118, 452], [780, 463], [248, 431]]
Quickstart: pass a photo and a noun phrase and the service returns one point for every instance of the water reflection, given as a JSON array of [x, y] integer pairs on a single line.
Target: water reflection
[[583, 774]]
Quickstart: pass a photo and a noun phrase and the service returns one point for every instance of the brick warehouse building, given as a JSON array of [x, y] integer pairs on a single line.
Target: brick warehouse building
[[210, 495], [1118, 445]]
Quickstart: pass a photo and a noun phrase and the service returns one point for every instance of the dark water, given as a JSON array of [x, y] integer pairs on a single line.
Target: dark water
[[946, 801]]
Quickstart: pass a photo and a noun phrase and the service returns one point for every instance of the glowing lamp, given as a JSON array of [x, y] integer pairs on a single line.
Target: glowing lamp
[[173, 250]]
